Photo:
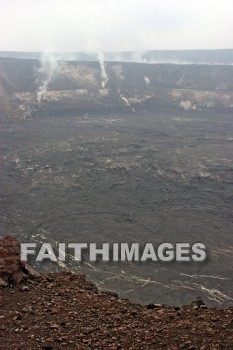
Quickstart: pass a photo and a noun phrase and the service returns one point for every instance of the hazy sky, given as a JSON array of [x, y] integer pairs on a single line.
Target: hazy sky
[[74, 25]]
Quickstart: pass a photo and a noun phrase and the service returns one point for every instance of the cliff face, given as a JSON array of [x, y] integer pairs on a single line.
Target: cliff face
[[29, 87]]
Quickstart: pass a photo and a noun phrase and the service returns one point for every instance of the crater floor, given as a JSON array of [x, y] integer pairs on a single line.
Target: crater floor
[[151, 177]]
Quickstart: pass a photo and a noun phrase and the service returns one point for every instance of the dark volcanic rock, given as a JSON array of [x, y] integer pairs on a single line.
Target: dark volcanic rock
[[198, 302], [12, 270]]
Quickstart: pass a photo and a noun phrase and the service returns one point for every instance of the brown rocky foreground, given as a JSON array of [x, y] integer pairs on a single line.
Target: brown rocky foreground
[[66, 311]]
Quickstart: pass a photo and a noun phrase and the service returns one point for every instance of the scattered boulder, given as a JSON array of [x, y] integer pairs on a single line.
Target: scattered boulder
[[198, 302], [12, 270]]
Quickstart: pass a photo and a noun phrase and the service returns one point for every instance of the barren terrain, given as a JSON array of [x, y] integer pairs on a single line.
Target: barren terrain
[[129, 153]]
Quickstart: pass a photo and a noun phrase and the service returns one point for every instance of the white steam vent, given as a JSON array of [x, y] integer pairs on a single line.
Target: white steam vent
[[104, 76], [146, 80], [49, 65], [187, 105]]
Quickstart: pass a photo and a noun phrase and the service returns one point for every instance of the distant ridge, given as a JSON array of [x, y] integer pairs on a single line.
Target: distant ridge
[[221, 56]]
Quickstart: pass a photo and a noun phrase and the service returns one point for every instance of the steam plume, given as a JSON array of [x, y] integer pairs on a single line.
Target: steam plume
[[104, 76], [49, 65], [187, 105]]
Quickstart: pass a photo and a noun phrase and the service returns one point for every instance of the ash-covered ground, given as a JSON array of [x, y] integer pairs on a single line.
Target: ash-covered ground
[[133, 177]]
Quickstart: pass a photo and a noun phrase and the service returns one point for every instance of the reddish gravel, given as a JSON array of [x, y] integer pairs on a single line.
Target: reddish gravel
[[65, 311]]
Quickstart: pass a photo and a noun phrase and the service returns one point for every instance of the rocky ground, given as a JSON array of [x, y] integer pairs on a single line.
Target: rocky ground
[[66, 311]]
